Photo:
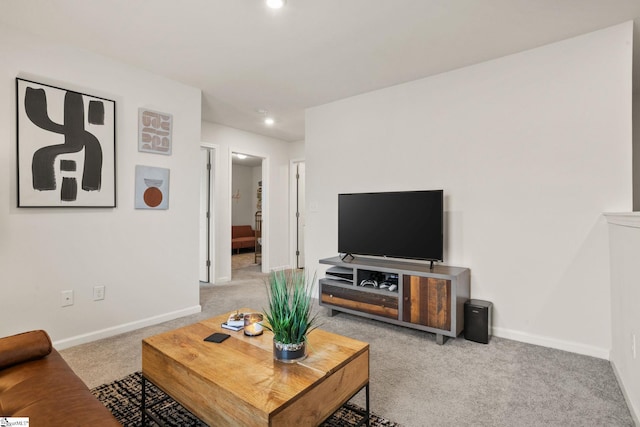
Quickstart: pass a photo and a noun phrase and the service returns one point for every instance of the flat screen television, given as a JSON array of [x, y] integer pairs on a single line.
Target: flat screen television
[[401, 224]]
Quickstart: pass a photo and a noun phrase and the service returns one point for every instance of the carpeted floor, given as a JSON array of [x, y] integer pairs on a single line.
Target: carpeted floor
[[123, 398], [245, 260], [414, 381]]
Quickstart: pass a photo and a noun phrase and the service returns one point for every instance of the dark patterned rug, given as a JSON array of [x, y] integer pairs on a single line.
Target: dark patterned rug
[[122, 397]]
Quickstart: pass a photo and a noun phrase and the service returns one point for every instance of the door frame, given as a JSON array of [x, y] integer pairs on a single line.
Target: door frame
[[266, 191], [293, 221], [212, 221]]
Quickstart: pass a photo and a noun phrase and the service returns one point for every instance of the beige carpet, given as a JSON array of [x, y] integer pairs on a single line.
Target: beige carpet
[[414, 381], [243, 260]]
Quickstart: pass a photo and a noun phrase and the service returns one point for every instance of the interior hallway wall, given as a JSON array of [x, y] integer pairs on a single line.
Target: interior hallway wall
[[275, 173]]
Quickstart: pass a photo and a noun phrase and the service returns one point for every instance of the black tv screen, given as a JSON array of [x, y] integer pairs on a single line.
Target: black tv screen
[[404, 224]]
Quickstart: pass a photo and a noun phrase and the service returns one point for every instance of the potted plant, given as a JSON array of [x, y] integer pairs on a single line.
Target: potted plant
[[289, 315]]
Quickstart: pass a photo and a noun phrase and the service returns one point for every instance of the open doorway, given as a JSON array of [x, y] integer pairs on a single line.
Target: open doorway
[[246, 214]]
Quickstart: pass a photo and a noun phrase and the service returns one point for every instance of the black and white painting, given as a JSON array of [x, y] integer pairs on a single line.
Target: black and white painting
[[66, 147]]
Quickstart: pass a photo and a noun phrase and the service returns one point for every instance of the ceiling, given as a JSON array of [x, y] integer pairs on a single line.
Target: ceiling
[[247, 160], [246, 58]]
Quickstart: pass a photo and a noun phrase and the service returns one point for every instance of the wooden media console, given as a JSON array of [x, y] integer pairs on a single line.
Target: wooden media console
[[423, 298]]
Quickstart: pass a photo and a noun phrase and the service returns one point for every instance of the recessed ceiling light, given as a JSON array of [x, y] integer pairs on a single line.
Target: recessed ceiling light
[[269, 121], [241, 156], [275, 4]]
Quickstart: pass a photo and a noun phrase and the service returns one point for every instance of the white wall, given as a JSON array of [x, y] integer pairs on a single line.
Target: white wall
[[296, 150], [245, 180], [256, 177], [242, 206], [624, 237], [275, 194], [530, 149], [636, 150], [146, 259]]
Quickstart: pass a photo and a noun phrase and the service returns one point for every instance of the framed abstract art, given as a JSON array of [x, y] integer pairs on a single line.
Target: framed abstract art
[[151, 188], [66, 147], [154, 131]]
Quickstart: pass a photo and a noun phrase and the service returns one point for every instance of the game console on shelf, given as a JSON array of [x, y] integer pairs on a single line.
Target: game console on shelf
[[388, 286], [369, 283]]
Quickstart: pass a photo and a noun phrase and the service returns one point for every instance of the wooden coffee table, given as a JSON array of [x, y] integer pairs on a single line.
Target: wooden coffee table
[[237, 382]]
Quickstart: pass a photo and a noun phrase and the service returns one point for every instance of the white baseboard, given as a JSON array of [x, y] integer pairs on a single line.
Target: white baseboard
[[281, 268], [125, 327], [633, 410], [573, 347]]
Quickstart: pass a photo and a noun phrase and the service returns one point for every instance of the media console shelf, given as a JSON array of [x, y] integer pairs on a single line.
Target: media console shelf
[[431, 300]]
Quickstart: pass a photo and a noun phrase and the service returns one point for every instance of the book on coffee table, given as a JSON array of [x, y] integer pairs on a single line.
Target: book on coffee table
[[235, 319], [226, 325]]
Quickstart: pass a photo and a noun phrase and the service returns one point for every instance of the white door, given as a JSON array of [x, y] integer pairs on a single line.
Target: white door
[[206, 219], [300, 215]]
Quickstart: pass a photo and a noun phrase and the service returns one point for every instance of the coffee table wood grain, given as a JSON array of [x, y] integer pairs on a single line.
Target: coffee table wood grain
[[237, 382]]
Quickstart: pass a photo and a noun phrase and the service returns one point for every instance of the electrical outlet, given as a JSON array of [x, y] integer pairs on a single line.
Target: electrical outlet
[[66, 298], [98, 293]]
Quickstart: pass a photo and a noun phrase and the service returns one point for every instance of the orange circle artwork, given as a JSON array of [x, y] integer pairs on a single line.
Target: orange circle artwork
[[152, 196]]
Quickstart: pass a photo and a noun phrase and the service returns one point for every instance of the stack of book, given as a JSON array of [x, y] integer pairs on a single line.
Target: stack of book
[[235, 322]]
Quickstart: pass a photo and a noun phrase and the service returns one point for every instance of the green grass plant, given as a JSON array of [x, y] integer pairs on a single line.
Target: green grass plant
[[290, 315]]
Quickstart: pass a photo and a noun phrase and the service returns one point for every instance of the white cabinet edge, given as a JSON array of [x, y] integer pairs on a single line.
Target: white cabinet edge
[[625, 219]]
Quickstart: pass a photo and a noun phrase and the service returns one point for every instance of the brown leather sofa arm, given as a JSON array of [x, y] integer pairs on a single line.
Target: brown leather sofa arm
[[37, 383], [24, 347]]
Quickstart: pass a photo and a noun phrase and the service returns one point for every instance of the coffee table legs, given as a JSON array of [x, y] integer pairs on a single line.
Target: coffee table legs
[[367, 402], [143, 405], [143, 408], [366, 413]]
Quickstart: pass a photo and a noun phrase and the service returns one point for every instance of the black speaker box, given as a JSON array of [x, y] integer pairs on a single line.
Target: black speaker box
[[477, 320]]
